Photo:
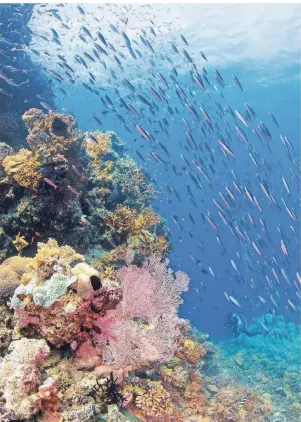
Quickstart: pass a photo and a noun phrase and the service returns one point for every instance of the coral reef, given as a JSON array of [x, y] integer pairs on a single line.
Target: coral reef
[[89, 326], [76, 188], [20, 377], [268, 364]]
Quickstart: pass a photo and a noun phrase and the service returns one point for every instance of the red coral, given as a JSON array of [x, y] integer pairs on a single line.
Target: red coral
[[87, 357], [49, 395]]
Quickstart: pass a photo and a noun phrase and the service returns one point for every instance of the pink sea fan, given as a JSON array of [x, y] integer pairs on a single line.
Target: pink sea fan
[[144, 326]]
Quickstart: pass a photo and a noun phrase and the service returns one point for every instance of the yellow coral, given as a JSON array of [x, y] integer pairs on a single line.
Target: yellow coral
[[108, 273], [127, 220], [100, 147], [55, 149], [146, 219], [101, 173], [18, 264], [155, 402], [20, 243], [23, 167], [50, 254], [148, 244], [11, 271], [122, 220], [9, 281]]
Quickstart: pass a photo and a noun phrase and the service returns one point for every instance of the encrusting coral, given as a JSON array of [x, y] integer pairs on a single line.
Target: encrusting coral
[[89, 321]]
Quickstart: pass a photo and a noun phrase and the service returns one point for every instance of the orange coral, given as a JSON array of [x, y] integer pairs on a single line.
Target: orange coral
[[23, 167], [191, 350]]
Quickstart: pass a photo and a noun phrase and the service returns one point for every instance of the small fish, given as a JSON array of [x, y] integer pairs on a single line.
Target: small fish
[[184, 39], [237, 82], [73, 190], [292, 305], [283, 247], [273, 118], [50, 183], [233, 300], [142, 132], [203, 55], [241, 118]]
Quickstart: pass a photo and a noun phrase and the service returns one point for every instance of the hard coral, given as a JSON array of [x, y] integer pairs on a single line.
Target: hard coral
[[49, 258], [20, 377], [97, 144], [154, 401], [50, 135], [60, 323], [127, 220], [191, 350], [231, 404], [23, 167], [11, 271], [133, 183], [5, 150]]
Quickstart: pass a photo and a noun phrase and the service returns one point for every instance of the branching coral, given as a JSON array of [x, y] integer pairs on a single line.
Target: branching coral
[[155, 401], [23, 167], [133, 183], [127, 220], [20, 243]]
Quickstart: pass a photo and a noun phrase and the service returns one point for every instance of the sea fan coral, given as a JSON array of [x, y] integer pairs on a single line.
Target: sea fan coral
[[144, 326]]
